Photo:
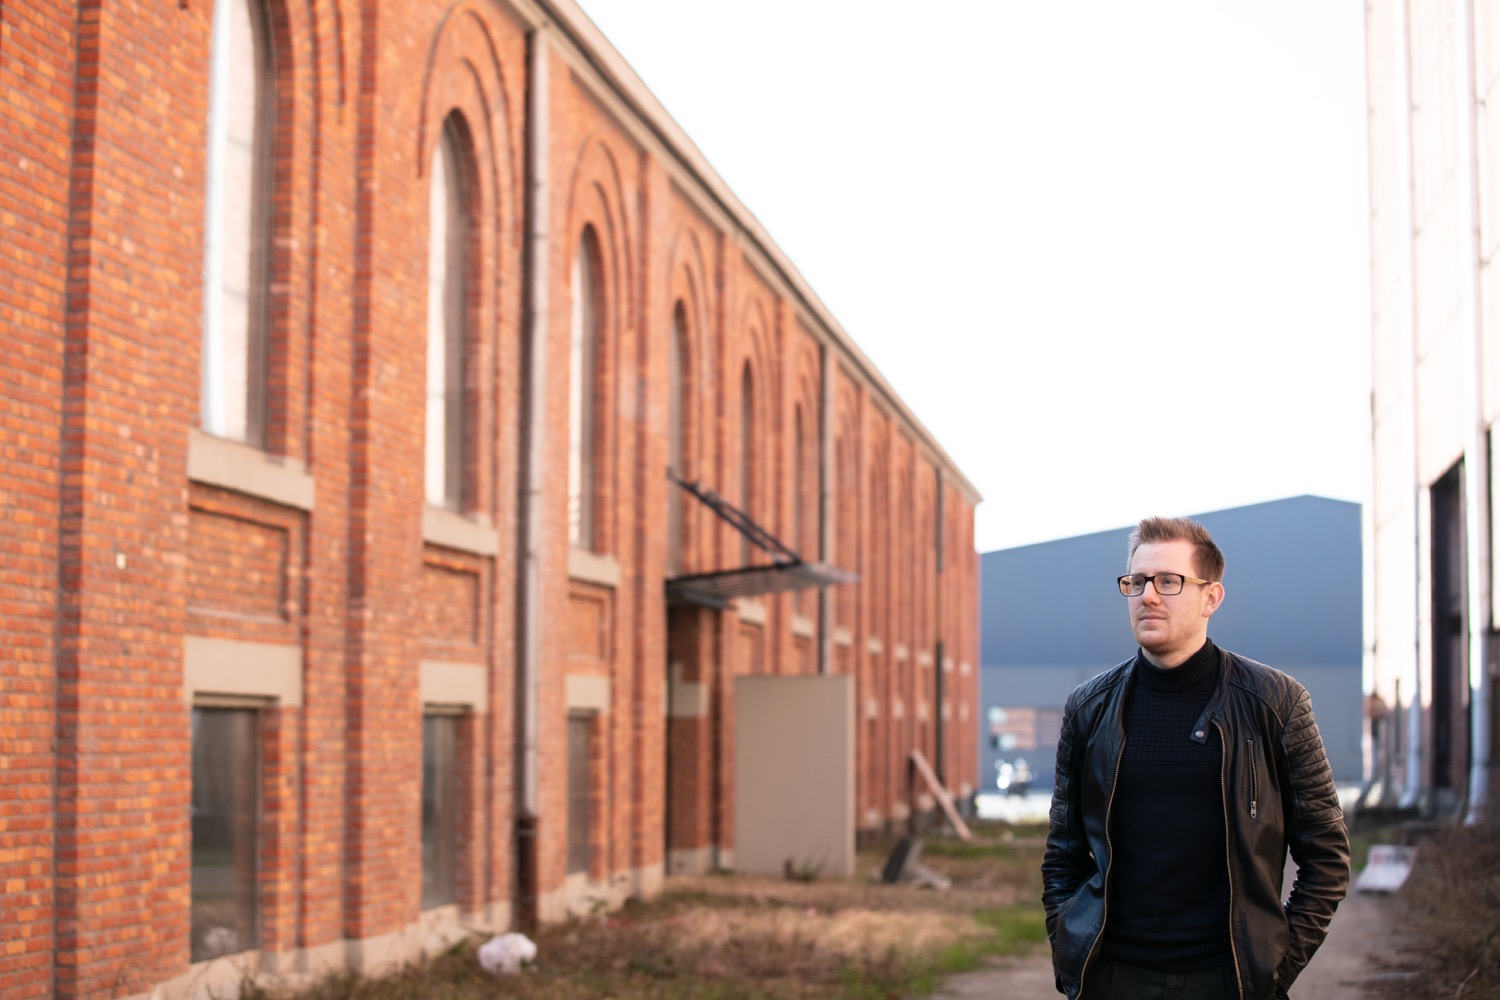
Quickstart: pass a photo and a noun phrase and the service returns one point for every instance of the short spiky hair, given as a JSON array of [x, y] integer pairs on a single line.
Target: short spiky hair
[[1207, 558]]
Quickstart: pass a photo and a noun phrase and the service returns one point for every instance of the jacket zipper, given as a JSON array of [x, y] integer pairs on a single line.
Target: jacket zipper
[[1109, 863], [1228, 856], [1254, 778]]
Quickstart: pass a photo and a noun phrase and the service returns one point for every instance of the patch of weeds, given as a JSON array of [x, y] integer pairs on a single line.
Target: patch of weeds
[[971, 849], [1011, 930], [758, 938], [805, 871], [1019, 927], [1361, 839], [887, 979], [1449, 911], [672, 902], [956, 958]]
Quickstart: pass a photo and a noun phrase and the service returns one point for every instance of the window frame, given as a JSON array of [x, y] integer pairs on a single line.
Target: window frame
[[582, 809], [249, 909], [585, 339], [224, 386], [678, 406], [447, 475], [749, 498], [442, 887]]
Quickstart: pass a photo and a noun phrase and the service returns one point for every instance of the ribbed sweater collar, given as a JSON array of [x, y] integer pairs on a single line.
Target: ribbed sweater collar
[[1195, 669]]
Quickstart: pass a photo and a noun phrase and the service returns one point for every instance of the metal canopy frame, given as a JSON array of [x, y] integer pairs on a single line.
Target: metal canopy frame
[[787, 570]]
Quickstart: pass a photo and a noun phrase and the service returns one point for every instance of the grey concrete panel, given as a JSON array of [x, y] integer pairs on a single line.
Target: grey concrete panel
[[794, 774]]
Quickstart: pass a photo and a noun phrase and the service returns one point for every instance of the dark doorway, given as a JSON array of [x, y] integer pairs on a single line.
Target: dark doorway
[[1450, 640]]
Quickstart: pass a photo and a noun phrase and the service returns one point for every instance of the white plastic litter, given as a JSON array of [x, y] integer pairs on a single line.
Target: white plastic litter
[[503, 955], [1387, 868]]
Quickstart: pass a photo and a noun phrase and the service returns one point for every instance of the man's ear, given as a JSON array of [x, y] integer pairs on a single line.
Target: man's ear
[[1215, 594]]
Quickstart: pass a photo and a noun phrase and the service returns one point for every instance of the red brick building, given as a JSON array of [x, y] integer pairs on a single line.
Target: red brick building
[[344, 597]]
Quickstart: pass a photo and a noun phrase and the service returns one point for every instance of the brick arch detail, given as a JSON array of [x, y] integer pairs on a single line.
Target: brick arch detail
[[687, 285], [687, 282], [596, 200], [463, 80], [806, 393], [757, 335], [340, 71], [463, 73], [597, 197], [849, 462]]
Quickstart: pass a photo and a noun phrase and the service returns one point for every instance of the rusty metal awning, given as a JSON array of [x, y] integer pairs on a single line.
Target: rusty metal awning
[[786, 571], [718, 589]]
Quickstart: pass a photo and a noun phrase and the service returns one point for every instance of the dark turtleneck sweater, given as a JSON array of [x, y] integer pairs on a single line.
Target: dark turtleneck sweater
[[1169, 877]]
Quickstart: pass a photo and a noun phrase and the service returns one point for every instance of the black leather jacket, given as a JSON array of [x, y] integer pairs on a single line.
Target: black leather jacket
[[1278, 794]]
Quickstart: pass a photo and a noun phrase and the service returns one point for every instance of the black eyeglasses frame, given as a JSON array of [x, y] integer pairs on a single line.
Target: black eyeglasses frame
[[1128, 583]]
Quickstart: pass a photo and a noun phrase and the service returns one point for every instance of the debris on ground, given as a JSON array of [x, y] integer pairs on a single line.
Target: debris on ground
[[1387, 869], [503, 955], [904, 865]]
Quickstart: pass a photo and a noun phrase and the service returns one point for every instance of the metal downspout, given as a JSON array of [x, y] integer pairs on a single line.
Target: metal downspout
[[1476, 467], [825, 509], [940, 650], [533, 442]]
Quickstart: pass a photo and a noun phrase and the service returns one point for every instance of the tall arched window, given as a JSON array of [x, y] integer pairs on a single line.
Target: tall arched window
[[799, 501], [237, 227], [839, 550], [447, 323], [582, 416], [677, 383], [747, 455]]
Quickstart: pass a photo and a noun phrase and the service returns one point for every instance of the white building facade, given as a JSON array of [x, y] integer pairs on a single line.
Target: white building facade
[[1434, 132]]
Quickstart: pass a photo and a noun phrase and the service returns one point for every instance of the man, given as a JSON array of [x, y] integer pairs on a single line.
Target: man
[[1184, 775]]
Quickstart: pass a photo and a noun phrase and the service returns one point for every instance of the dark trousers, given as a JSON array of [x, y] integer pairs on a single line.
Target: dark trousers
[[1107, 980]]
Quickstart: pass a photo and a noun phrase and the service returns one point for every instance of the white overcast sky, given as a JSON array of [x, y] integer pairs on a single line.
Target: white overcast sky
[[1112, 254]]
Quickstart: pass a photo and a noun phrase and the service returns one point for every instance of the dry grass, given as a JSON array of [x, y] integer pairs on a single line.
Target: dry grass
[[1449, 911], [734, 937]]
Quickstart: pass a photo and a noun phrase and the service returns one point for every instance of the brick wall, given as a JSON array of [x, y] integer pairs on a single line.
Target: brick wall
[[36, 70], [122, 735], [132, 557]]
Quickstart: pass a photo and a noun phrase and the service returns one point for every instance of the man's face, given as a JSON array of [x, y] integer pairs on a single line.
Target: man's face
[[1171, 629]]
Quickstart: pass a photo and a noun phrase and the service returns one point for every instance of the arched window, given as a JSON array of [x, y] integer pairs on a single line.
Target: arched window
[[799, 501], [237, 227], [747, 455], [677, 385], [582, 416], [846, 524], [447, 323]]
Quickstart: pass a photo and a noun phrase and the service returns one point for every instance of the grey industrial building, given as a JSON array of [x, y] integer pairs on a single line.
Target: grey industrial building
[[1051, 617]]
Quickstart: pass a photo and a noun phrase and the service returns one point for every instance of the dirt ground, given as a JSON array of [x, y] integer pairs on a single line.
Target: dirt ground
[[742, 937]]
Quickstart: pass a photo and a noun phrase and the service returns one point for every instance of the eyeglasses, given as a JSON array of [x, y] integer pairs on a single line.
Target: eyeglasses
[[1167, 584]]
